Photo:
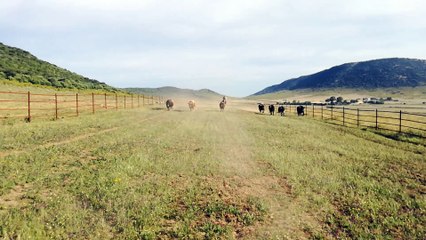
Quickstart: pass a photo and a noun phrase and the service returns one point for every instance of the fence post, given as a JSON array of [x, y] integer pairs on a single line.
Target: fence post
[[106, 107], [322, 111], [56, 106], [116, 102], [143, 100], [343, 116], [132, 100], [332, 107], [93, 103], [357, 117], [313, 110], [76, 103], [400, 121], [29, 106], [125, 101], [377, 125]]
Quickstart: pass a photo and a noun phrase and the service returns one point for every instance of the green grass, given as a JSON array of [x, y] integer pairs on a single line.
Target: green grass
[[149, 174]]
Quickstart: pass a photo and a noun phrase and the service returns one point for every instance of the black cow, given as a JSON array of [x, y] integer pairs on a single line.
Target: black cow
[[272, 109], [261, 108], [281, 110], [300, 110]]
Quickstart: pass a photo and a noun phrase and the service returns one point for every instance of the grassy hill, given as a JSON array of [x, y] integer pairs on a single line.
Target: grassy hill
[[375, 74], [17, 65]]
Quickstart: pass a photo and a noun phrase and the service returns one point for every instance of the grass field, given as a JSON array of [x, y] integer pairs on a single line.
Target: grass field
[[152, 174]]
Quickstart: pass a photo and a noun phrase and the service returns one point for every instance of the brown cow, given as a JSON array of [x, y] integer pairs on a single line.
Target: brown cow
[[191, 105], [169, 104]]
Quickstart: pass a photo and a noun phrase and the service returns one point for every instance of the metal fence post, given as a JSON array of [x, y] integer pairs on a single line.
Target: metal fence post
[[357, 117], [29, 106], [93, 103], [377, 124], [56, 106], [76, 103]]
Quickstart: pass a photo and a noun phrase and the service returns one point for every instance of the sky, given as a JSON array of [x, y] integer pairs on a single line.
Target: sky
[[234, 47]]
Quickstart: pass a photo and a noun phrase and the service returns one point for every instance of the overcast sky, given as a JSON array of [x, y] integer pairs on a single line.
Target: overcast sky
[[234, 47]]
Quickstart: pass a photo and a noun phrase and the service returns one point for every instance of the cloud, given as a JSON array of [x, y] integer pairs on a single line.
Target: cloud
[[234, 47]]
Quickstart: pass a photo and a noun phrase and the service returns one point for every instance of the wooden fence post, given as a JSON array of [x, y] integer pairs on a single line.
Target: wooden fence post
[[313, 110], [322, 111], [106, 106], [56, 106], [343, 116], [93, 103], [332, 112], [116, 102], [29, 106], [76, 103]]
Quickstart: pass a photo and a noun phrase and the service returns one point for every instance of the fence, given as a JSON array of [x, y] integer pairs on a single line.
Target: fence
[[396, 121], [27, 105]]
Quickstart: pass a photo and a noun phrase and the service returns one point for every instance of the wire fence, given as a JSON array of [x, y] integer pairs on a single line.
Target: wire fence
[[396, 121], [28, 106]]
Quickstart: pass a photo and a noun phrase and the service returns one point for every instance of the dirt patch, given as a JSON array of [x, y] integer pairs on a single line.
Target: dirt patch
[[15, 198]]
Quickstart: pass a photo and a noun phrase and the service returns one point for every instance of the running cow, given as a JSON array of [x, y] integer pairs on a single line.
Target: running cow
[[300, 110], [169, 104], [191, 105], [261, 107], [281, 110], [222, 105], [272, 109]]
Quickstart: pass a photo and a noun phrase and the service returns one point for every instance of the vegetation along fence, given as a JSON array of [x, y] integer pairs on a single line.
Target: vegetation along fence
[[27, 105], [396, 121]]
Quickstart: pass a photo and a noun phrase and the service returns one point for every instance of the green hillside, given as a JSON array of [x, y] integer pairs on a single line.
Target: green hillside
[[17, 65], [374, 74]]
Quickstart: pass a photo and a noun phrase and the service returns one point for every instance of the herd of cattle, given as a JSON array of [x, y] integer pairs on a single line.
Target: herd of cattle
[[281, 109], [191, 104]]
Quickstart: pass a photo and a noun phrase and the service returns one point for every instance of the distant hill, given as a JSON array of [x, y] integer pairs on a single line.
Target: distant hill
[[381, 73], [21, 66], [173, 92]]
